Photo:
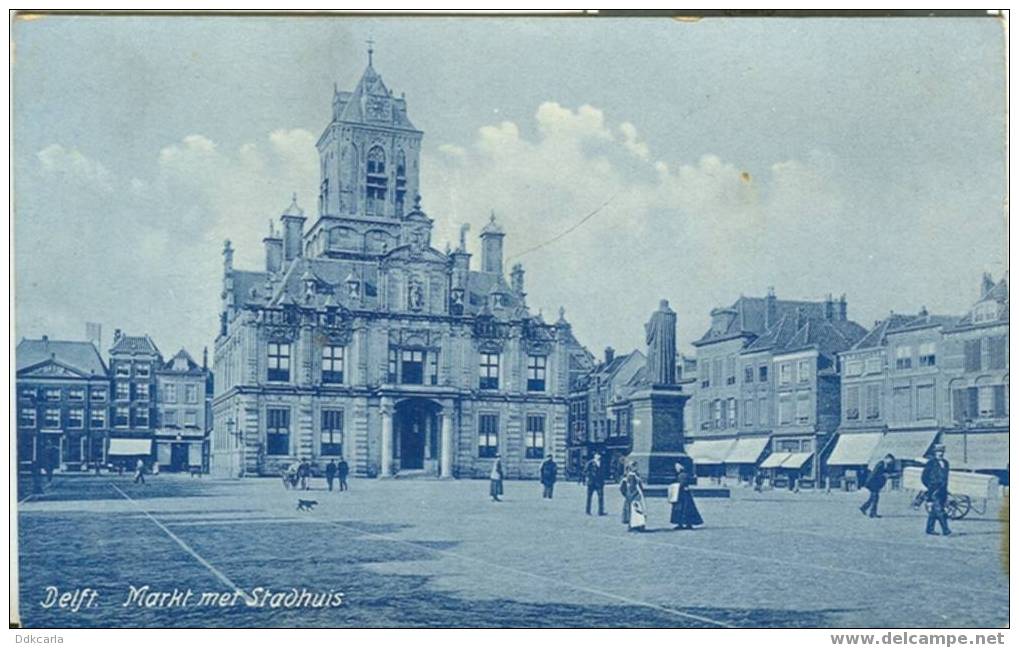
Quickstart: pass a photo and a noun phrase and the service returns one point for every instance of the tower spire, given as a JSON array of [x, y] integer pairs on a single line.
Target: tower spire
[[371, 50]]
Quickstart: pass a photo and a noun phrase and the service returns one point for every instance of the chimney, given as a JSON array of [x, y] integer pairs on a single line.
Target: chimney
[[117, 334], [610, 354], [273, 251], [770, 309], [986, 284], [841, 309], [829, 308], [205, 358], [293, 231], [517, 278], [94, 334], [491, 247]]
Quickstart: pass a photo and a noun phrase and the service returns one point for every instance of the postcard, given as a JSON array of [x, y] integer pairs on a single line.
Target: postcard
[[614, 321]]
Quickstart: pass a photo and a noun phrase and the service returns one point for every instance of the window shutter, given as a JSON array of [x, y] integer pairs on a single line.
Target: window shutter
[[958, 405], [999, 401], [973, 402]]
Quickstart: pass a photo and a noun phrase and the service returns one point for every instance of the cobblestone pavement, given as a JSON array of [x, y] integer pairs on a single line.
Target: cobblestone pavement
[[440, 553]]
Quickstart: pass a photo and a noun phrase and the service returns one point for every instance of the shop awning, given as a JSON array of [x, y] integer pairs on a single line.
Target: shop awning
[[854, 449], [977, 451], [796, 460], [712, 451], [904, 444], [130, 447], [775, 459], [747, 450]]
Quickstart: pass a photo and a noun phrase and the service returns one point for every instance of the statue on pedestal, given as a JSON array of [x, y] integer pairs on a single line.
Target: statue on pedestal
[[660, 335]]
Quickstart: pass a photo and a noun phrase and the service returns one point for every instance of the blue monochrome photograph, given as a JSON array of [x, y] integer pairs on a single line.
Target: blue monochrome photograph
[[335, 321]]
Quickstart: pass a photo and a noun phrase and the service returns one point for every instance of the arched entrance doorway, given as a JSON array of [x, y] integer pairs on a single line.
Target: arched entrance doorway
[[416, 435]]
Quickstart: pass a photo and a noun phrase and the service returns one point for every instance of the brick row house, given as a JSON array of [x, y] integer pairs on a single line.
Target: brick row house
[[76, 411]]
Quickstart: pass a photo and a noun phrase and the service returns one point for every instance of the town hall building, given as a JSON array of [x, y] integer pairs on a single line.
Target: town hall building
[[360, 339]]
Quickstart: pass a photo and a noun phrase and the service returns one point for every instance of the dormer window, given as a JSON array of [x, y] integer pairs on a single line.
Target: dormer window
[[985, 312], [375, 182]]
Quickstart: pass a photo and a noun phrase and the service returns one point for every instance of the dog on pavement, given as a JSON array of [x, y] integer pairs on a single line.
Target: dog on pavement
[[306, 505]]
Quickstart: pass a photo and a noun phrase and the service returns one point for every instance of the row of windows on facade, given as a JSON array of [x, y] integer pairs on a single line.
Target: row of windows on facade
[[926, 356], [918, 403], [125, 391], [721, 414], [756, 373], [123, 417], [122, 369], [331, 433], [55, 394], [405, 366]]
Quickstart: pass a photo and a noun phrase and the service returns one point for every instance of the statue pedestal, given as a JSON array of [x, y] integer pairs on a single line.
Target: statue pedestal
[[657, 424]]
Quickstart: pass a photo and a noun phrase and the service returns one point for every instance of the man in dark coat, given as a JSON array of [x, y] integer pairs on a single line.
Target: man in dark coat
[[935, 480], [875, 482], [330, 473], [342, 470], [594, 474], [548, 476]]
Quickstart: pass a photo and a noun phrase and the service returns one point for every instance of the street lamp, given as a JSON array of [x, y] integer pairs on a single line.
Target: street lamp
[[237, 435]]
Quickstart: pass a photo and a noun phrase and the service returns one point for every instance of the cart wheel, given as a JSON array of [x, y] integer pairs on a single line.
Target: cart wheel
[[958, 506]]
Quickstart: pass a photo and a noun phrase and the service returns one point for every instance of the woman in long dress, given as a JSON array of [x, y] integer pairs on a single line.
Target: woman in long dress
[[684, 511], [634, 506], [495, 480]]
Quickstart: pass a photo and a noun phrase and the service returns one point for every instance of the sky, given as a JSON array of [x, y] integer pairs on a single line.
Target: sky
[[719, 158]]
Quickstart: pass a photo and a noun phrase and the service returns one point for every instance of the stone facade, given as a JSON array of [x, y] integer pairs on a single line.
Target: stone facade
[[360, 339]]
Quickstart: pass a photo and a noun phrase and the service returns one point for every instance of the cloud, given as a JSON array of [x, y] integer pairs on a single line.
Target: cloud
[[143, 252], [72, 164], [632, 142], [695, 231]]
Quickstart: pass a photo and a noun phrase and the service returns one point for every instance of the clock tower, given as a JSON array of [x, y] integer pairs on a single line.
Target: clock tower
[[369, 154]]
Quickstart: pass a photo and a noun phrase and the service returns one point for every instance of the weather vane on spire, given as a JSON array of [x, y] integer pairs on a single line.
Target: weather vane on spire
[[371, 50]]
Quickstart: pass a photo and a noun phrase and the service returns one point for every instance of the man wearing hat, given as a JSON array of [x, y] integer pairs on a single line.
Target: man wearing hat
[[935, 480], [875, 482]]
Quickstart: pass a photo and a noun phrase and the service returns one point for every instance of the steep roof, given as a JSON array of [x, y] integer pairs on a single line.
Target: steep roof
[[796, 331], [81, 356], [192, 366], [371, 85], [875, 338], [749, 316], [829, 337], [925, 320], [133, 344]]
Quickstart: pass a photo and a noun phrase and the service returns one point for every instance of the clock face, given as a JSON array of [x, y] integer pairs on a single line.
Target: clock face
[[377, 108]]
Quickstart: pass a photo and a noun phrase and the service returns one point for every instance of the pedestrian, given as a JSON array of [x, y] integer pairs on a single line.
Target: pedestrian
[[495, 479], [139, 472], [342, 470], [875, 482], [330, 473], [634, 506], [303, 472], [548, 476], [684, 510], [935, 479], [594, 476], [759, 481]]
